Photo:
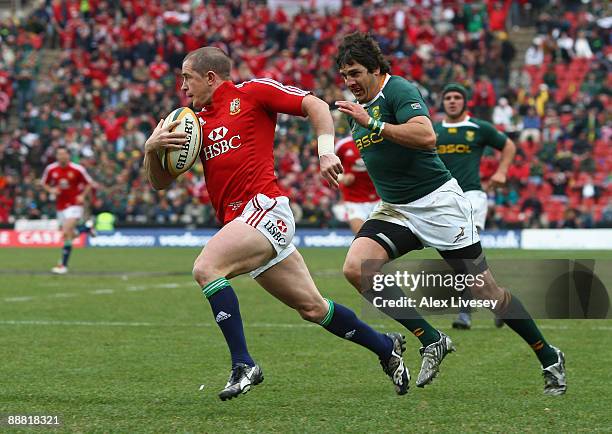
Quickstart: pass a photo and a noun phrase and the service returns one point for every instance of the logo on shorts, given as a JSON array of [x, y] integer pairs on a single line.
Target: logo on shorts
[[235, 205], [281, 226], [277, 232], [235, 106], [460, 235]]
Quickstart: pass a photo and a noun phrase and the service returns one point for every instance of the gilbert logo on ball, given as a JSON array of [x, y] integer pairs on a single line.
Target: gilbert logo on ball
[[179, 161]]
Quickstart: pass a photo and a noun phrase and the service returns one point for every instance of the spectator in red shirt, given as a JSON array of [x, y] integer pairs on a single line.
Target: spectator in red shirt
[[483, 98], [158, 68], [498, 12], [112, 125]]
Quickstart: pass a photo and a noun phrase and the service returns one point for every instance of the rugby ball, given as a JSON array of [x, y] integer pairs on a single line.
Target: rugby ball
[[177, 161]]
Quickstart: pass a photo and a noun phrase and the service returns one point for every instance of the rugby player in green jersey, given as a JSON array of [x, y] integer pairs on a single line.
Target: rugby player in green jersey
[[421, 206], [461, 140]]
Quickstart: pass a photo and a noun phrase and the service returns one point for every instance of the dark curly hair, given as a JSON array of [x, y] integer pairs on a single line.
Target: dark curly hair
[[363, 49]]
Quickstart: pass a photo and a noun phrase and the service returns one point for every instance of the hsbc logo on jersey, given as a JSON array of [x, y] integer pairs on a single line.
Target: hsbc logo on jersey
[[217, 134], [221, 144]]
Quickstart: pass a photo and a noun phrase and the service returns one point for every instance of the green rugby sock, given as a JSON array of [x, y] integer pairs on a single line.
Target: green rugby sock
[[409, 317], [518, 319]]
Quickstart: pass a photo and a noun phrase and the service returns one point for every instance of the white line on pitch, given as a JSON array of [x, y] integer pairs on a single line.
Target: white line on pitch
[[63, 295], [135, 288], [14, 299], [102, 291]]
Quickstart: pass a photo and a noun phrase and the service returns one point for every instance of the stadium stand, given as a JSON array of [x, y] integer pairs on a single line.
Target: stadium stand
[[96, 75]]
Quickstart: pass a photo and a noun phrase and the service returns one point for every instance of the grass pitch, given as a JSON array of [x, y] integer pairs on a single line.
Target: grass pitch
[[123, 343]]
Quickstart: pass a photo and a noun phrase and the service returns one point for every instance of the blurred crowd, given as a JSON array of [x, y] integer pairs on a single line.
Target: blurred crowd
[[96, 75]]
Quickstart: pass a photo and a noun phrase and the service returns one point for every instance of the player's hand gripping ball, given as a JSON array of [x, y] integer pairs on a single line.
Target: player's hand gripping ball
[[177, 161]]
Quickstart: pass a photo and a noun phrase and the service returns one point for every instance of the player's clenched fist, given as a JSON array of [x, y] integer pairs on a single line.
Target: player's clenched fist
[[163, 137], [330, 168]]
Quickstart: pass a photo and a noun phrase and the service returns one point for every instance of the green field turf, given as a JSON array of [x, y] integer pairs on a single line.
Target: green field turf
[[123, 343]]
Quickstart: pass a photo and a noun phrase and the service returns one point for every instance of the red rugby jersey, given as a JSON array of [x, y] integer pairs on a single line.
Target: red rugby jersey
[[238, 140], [362, 190], [71, 180]]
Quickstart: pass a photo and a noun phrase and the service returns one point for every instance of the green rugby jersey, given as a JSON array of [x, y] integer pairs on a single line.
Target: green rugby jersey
[[460, 146], [400, 174]]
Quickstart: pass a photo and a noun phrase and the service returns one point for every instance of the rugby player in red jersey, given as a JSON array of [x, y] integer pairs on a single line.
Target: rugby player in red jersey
[[358, 192], [70, 184], [238, 124]]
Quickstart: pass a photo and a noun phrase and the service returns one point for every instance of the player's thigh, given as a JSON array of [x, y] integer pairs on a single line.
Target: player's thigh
[[291, 282], [236, 249], [376, 243], [69, 226]]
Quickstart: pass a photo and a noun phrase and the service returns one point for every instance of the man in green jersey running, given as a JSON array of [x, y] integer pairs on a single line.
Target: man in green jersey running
[[461, 140], [421, 206]]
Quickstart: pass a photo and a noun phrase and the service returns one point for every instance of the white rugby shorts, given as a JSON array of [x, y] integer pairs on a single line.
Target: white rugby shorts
[[274, 219], [480, 206], [72, 212], [443, 219], [359, 210]]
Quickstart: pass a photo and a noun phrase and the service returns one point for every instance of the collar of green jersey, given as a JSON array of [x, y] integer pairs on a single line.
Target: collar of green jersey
[[464, 123], [380, 92]]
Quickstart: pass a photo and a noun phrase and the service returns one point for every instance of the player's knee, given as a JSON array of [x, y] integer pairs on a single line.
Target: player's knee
[[352, 272], [489, 291], [204, 272], [313, 311]]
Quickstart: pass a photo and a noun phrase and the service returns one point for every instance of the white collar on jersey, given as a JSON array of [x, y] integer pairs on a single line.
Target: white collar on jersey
[[380, 92], [464, 123]]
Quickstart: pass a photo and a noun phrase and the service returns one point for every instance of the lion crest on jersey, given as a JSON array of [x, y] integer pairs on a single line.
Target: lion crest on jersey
[[376, 112], [234, 106], [469, 136]]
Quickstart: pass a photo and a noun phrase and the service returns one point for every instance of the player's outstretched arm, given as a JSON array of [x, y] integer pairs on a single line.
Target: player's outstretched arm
[[160, 138], [498, 179], [416, 133], [322, 122]]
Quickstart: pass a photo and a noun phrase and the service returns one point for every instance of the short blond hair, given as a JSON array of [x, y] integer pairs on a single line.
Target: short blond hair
[[210, 59]]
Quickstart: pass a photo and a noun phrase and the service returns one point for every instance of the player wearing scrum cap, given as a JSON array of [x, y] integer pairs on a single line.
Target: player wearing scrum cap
[[461, 140]]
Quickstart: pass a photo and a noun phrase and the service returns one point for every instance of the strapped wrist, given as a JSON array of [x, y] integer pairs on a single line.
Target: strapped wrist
[[325, 144], [375, 125]]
